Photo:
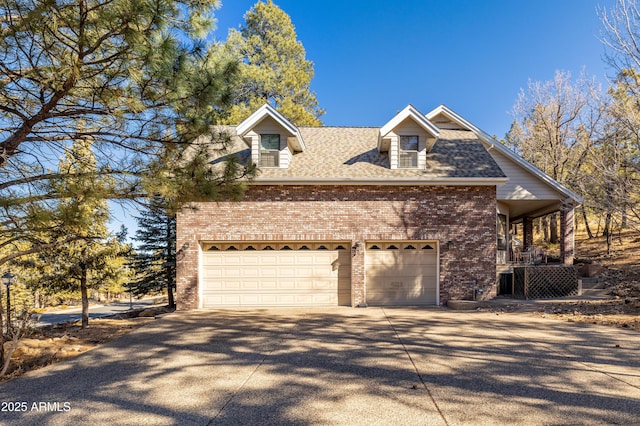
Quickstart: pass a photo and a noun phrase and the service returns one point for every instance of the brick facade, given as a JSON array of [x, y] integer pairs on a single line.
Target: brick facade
[[464, 215]]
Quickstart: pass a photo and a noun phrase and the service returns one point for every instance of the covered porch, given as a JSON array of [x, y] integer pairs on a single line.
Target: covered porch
[[514, 226], [524, 270]]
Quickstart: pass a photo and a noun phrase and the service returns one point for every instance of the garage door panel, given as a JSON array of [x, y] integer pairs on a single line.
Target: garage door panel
[[402, 276], [284, 271], [276, 277], [211, 272], [401, 259], [415, 270], [232, 272], [221, 300], [285, 258], [381, 283]]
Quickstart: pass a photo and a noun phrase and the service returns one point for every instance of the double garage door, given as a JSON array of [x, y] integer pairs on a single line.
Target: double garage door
[[276, 274], [315, 274]]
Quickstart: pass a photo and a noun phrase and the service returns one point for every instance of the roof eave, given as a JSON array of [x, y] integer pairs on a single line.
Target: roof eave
[[380, 181], [485, 137]]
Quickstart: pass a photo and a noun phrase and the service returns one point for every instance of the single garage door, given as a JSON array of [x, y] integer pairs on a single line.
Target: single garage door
[[401, 273], [276, 274]]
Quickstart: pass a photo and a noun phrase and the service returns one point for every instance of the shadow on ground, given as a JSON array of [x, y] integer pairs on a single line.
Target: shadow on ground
[[344, 366]]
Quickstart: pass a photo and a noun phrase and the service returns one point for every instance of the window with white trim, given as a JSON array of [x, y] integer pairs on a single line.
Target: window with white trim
[[408, 152], [269, 150]]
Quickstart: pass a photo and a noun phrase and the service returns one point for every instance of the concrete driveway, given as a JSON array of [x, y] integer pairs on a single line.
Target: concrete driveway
[[341, 366]]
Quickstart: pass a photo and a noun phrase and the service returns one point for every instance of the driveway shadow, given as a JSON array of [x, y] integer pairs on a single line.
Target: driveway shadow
[[342, 366]]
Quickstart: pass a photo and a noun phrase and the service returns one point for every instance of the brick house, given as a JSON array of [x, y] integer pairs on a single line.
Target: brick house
[[415, 212]]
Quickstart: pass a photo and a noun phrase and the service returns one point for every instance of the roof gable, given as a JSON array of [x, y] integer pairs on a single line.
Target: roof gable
[[409, 112], [262, 113]]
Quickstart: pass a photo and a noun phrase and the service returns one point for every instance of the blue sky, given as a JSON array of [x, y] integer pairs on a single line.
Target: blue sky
[[372, 58]]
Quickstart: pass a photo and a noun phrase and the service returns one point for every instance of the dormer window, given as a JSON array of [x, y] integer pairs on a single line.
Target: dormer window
[[408, 152], [272, 139], [407, 138], [269, 150]]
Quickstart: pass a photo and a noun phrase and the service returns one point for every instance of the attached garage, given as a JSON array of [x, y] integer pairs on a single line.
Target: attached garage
[[401, 273], [275, 274]]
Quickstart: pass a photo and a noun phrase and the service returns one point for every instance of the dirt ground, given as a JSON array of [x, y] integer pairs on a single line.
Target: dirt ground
[[620, 274], [615, 312]]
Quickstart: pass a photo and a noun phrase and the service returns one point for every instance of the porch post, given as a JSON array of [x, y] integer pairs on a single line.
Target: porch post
[[567, 240], [527, 232]]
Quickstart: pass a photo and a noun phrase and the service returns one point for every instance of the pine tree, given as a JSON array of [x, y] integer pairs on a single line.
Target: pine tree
[[88, 261], [134, 77], [274, 68], [154, 262]]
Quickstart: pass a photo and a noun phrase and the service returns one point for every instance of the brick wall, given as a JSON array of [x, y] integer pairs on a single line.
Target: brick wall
[[466, 216]]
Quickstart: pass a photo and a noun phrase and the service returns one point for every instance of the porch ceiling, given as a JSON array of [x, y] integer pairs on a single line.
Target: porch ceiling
[[530, 208]]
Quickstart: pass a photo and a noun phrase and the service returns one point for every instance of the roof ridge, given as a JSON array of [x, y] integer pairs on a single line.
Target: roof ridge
[[338, 127]]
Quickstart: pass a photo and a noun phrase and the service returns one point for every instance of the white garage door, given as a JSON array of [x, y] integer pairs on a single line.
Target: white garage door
[[401, 273], [276, 274]]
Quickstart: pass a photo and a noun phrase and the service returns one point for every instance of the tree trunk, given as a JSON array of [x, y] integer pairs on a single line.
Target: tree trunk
[[545, 228], [85, 298], [553, 228], [608, 232], [586, 223], [1, 336], [172, 302], [607, 225]]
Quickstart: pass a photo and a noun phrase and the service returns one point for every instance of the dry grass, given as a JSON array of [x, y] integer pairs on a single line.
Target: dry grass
[[621, 276], [48, 345]]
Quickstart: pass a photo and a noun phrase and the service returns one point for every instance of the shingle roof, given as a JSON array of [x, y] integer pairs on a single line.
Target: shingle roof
[[350, 153]]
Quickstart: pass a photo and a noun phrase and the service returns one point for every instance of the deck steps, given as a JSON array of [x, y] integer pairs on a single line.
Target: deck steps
[[591, 286]]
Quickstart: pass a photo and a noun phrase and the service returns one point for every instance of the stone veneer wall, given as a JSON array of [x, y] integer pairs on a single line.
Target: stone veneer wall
[[464, 215]]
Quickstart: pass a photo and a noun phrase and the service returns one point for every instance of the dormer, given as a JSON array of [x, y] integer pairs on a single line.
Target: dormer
[[445, 118], [407, 138], [272, 138]]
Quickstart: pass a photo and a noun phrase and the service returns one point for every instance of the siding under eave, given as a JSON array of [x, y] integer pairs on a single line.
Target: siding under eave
[[522, 185]]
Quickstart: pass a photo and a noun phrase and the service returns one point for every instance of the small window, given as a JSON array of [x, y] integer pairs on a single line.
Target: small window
[[286, 248], [374, 247], [231, 248], [304, 248], [213, 248], [322, 248], [427, 247], [409, 247], [392, 247], [267, 248], [269, 150], [250, 248], [340, 247], [408, 152]]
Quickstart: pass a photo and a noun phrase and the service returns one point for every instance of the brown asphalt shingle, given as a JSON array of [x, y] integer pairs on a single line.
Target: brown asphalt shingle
[[351, 153]]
